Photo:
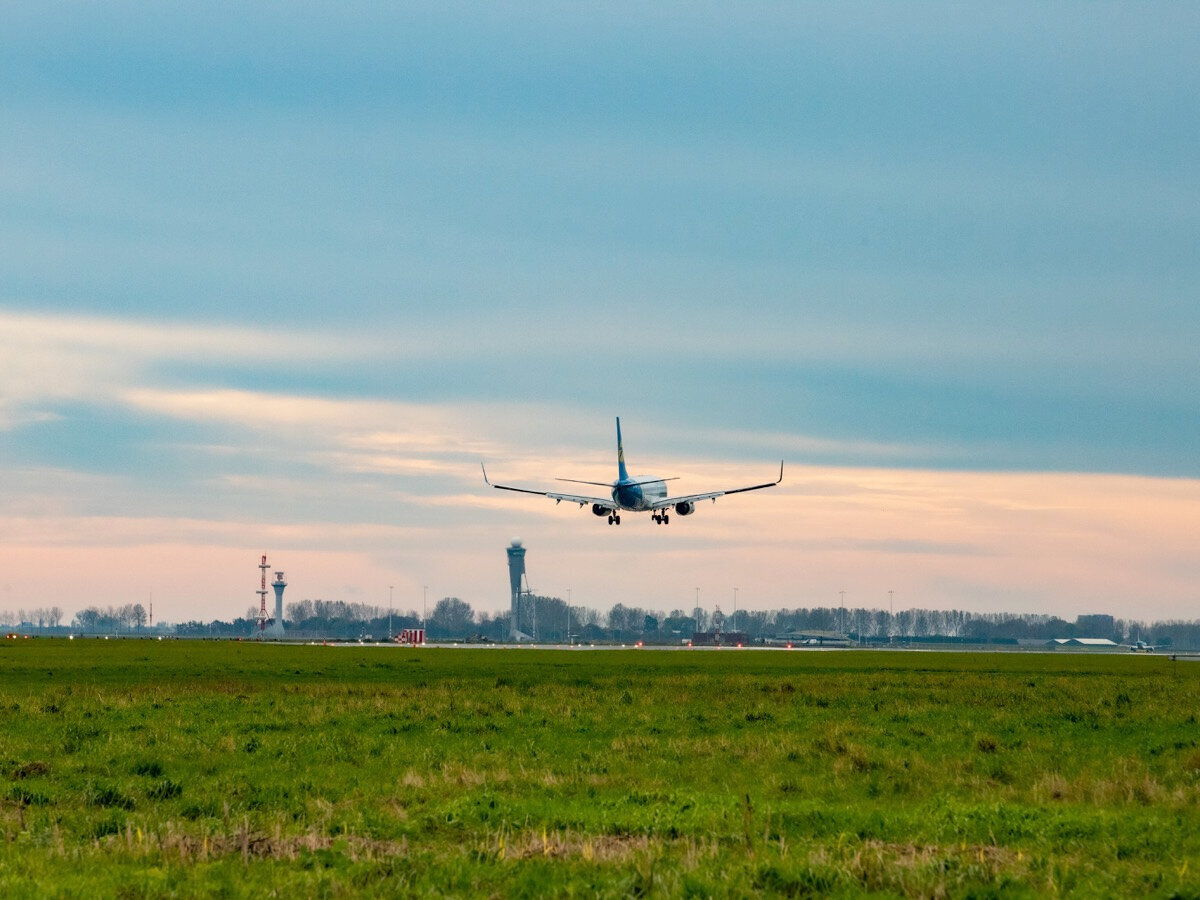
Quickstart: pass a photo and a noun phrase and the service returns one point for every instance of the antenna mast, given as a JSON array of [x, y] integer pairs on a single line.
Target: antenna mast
[[262, 598]]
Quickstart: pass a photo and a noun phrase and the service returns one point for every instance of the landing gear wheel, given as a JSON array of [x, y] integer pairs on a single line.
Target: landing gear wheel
[[610, 520], [665, 518], [617, 520]]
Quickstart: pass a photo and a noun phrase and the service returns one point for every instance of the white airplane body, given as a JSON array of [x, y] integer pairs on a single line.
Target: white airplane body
[[642, 493]]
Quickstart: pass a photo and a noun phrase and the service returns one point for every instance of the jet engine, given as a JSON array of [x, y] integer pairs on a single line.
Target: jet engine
[[598, 510], [686, 508]]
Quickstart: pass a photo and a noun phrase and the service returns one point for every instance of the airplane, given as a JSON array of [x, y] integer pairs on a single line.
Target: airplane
[[644, 493]]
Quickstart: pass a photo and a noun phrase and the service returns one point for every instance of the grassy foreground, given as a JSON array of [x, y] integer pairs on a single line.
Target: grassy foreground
[[131, 768]]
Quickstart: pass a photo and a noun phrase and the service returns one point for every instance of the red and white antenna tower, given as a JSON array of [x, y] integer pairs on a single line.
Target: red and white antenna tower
[[262, 598]]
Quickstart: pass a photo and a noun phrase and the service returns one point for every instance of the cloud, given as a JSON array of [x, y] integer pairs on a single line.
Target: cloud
[[54, 357]]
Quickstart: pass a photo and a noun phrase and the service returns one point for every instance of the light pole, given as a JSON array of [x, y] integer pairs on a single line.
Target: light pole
[[390, 632], [424, 605], [842, 613], [891, 615], [697, 609], [568, 617], [735, 609]]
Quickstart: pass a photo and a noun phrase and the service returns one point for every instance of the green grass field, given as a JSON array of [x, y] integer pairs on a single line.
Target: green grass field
[[138, 768]]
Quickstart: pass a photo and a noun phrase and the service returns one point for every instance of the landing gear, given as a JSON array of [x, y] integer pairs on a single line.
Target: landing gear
[[661, 518], [614, 520]]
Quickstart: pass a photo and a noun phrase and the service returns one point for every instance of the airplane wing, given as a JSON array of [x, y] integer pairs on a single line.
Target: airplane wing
[[603, 502], [713, 495]]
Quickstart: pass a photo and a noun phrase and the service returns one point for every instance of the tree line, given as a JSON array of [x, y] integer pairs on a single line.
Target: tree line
[[549, 619], [40, 618]]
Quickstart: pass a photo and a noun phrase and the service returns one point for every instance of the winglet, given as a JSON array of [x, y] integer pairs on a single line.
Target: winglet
[[485, 478], [759, 487]]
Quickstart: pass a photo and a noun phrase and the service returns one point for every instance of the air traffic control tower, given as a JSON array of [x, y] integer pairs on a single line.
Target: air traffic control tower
[[519, 585], [279, 584]]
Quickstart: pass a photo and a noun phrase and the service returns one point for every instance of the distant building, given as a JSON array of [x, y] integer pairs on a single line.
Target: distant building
[[810, 638], [1096, 623], [1083, 644], [720, 639]]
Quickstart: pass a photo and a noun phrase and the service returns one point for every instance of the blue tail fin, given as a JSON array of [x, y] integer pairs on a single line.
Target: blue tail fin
[[621, 473]]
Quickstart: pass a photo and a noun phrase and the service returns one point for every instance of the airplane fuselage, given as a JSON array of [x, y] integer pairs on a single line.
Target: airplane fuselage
[[639, 494]]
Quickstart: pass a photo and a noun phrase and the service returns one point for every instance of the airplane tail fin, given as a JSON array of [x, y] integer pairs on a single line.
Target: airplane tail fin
[[621, 472]]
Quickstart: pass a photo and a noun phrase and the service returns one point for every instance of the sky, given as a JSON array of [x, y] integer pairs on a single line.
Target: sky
[[276, 277]]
